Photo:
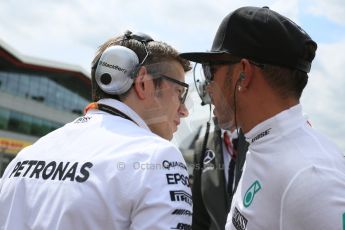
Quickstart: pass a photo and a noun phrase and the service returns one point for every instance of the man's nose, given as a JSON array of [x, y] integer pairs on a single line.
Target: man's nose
[[183, 111]]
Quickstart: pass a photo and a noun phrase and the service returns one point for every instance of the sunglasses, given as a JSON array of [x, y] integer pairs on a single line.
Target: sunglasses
[[183, 94], [210, 68]]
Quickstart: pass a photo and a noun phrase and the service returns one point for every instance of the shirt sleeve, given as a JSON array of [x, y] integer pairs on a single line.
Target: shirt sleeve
[[314, 200], [164, 200]]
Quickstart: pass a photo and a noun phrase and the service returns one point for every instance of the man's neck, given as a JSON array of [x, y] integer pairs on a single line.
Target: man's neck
[[264, 110]]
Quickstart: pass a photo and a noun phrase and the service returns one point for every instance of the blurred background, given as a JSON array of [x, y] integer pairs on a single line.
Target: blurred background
[[46, 48]]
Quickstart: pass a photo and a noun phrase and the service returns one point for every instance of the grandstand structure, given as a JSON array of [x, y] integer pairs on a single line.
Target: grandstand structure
[[36, 97]]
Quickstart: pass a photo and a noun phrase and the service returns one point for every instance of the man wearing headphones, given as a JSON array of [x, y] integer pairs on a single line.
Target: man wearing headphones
[[114, 167], [293, 177]]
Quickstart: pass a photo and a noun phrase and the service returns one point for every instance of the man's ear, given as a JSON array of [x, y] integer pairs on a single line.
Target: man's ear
[[246, 75], [141, 83]]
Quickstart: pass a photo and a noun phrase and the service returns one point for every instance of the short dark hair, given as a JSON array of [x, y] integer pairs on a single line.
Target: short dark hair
[[286, 82], [158, 52]]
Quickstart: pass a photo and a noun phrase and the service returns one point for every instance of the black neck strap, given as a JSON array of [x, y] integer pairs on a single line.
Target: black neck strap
[[115, 112]]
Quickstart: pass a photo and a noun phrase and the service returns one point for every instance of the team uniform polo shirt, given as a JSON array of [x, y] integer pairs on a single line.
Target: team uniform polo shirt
[[294, 178], [98, 172]]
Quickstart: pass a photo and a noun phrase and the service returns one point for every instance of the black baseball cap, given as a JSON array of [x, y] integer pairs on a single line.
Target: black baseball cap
[[261, 35]]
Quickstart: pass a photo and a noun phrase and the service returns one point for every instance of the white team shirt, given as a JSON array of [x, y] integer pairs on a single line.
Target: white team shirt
[[294, 178], [98, 172]]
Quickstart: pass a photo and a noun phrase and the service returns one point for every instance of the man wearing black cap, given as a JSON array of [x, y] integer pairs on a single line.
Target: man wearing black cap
[[257, 69]]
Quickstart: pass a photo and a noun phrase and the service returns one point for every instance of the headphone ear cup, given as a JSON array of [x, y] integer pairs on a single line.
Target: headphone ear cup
[[114, 71]]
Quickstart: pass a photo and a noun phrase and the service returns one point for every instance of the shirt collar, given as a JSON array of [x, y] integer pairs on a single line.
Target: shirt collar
[[232, 134], [126, 110], [277, 125]]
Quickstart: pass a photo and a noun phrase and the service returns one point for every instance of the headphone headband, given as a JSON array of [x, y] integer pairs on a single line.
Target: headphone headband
[[141, 37], [118, 65]]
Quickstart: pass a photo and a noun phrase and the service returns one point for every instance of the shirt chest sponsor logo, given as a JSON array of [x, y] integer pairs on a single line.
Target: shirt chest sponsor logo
[[261, 135], [250, 194], [181, 196], [209, 156], [238, 220], [183, 226], [182, 212], [209, 161], [175, 178], [52, 170], [173, 164]]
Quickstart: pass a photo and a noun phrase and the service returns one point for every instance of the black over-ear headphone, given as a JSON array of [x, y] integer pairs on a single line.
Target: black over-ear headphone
[[118, 65]]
